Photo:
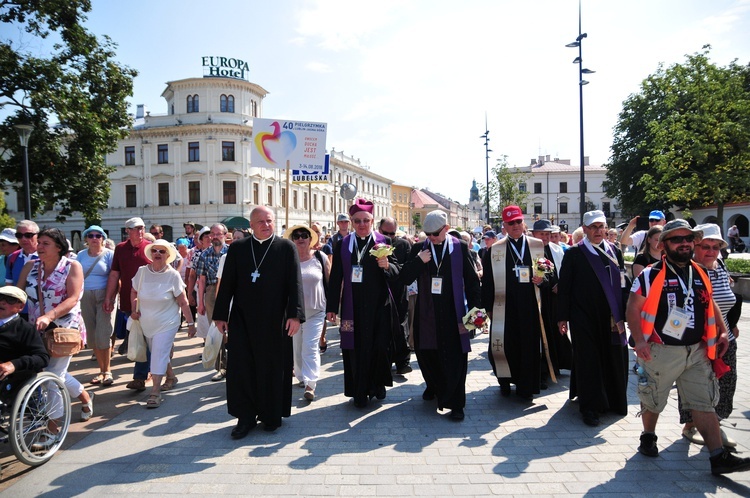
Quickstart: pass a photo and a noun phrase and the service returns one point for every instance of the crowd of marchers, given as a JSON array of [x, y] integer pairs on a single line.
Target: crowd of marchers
[[549, 303]]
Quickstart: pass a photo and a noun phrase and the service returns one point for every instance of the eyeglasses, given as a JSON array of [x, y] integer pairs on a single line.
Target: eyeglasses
[[300, 235], [358, 221], [654, 221], [156, 234], [160, 251], [388, 234], [28, 235], [707, 247], [434, 234], [9, 299], [514, 222], [597, 228], [679, 239], [94, 235]]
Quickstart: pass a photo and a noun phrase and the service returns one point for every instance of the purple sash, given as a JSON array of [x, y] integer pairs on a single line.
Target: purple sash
[[610, 282], [346, 331], [427, 332]]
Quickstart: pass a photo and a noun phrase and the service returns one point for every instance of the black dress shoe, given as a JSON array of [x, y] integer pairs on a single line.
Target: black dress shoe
[[380, 392], [271, 427], [590, 418], [505, 390], [457, 414], [543, 386], [428, 395], [243, 428], [360, 402]]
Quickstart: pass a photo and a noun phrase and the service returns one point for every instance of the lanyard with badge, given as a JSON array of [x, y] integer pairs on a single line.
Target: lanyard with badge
[[623, 279], [678, 318], [523, 273], [437, 281], [357, 270]]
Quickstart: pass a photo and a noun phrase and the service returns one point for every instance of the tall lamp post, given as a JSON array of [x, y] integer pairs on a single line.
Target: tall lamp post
[[487, 151], [581, 71], [24, 130]]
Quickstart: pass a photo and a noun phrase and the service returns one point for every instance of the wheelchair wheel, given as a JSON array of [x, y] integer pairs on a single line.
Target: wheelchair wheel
[[40, 419]]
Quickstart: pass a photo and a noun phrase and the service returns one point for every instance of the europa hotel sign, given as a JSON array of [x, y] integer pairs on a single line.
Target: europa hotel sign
[[225, 67]]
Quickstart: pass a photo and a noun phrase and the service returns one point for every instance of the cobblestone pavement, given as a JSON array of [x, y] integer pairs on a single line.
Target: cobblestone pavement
[[401, 446]]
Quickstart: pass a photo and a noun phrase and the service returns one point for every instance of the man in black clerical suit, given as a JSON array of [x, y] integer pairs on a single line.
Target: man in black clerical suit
[[262, 275]]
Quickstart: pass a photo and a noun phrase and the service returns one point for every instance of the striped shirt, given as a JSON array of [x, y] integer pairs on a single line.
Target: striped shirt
[[723, 294]]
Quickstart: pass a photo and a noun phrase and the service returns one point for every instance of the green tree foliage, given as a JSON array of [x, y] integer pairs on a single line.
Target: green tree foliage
[[5, 219], [684, 139], [74, 97], [504, 187]]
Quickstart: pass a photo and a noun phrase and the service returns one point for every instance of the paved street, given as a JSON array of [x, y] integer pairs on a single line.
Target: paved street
[[399, 447]]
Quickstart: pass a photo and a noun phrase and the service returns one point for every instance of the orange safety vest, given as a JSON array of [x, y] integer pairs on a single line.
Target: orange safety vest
[[648, 313]]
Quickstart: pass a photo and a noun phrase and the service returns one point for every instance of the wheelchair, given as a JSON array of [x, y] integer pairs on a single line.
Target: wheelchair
[[35, 417]]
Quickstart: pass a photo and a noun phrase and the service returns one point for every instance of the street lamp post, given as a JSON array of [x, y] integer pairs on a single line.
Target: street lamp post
[[581, 82], [487, 151], [24, 130]]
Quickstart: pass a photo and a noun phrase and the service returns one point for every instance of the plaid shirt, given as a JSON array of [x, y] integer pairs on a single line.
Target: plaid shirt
[[208, 264]]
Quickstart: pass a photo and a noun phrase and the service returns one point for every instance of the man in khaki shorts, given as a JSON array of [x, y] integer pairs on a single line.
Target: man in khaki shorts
[[672, 318]]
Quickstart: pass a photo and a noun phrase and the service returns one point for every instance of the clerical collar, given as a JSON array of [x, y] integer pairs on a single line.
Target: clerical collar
[[262, 241]]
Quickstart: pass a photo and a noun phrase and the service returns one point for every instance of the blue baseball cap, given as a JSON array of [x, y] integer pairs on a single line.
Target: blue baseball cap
[[656, 215]]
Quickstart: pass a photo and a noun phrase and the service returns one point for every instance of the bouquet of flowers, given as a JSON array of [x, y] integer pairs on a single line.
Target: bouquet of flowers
[[476, 319], [381, 250], [542, 267]]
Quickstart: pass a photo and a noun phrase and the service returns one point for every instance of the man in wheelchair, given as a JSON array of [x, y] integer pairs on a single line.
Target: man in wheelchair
[[22, 352]]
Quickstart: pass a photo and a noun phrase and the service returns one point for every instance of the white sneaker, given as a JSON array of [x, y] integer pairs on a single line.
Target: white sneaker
[[693, 435], [727, 441]]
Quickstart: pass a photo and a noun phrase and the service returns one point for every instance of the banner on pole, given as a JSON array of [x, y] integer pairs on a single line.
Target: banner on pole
[[276, 141]]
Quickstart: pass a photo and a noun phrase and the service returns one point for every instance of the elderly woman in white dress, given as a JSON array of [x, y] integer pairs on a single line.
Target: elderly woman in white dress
[[158, 294]]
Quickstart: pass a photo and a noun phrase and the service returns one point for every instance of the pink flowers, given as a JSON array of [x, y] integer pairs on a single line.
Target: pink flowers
[[543, 266], [475, 319]]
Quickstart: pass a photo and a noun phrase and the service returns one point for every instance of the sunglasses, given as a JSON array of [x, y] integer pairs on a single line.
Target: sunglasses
[[9, 299], [358, 221], [514, 222], [707, 247], [679, 239], [434, 234], [388, 234], [300, 235], [94, 236], [28, 235], [160, 251]]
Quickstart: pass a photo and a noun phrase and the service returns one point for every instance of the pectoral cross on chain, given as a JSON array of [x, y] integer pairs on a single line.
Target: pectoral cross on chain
[[498, 345], [255, 275]]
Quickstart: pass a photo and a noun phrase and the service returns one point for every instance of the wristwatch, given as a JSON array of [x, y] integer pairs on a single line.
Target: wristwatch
[[191, 324]]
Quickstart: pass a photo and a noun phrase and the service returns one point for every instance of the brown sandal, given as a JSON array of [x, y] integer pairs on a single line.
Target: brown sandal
[[169, 384]]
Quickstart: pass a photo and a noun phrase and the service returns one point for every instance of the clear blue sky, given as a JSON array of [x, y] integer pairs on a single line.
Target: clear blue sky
[[404, 85]]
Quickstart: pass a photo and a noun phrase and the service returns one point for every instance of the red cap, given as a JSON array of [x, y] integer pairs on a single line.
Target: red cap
[[512, 213], [361, 205]]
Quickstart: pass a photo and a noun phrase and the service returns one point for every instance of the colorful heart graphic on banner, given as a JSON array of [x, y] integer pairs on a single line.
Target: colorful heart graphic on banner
[[275, 147]]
